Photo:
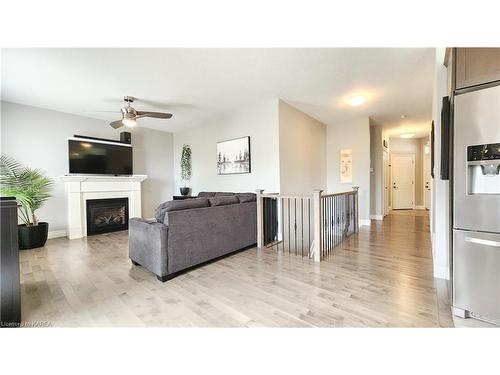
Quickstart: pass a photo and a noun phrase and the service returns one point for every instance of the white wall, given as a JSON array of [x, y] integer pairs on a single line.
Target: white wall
[[302, 146], [354, 135], [440, 223], [257, 120], [38, 138], [376, 172]]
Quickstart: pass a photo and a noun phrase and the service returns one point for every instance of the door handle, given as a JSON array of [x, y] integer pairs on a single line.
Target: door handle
[[480, 241]]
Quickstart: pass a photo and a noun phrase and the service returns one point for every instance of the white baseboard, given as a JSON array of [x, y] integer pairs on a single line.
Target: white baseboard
[[56, 233], [441, 272], [366, 222], [419, 207], [377, 217]]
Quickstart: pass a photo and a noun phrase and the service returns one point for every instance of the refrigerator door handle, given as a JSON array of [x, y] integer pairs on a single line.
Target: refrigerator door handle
[[480, 241]]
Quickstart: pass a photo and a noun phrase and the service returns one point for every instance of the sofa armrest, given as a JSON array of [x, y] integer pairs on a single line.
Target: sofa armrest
[[148, 244]]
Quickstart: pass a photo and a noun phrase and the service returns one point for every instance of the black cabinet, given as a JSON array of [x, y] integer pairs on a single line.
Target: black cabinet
[[10, 290]]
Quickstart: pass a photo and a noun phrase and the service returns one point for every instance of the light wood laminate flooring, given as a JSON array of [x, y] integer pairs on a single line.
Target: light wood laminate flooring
[[381, 277]]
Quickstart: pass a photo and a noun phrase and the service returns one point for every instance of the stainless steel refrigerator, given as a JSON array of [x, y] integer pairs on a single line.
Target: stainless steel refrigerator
[[476, 204]]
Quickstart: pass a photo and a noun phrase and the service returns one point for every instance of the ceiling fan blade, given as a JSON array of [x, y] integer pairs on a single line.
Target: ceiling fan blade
[[116, 124], [153, 114]]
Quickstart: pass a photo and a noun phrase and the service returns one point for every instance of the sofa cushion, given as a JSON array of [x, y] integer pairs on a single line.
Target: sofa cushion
[[246, 197], [185, 204], [206, 194], [223, 200], [223, 194]]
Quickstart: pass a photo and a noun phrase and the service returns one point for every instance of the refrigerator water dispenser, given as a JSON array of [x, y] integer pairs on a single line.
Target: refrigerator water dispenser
[[483, 169]]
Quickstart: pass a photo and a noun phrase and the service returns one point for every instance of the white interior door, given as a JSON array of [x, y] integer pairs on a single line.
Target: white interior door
[[386, 182], [427, 177], [403, 181]]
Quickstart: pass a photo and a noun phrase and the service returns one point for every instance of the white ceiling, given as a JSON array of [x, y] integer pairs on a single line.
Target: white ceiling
[[197, 84]]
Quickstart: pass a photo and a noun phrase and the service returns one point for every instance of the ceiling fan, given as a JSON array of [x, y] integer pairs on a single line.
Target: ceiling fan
[[130, 115]]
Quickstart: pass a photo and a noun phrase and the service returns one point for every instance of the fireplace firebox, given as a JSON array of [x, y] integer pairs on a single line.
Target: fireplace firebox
[[106, 215]]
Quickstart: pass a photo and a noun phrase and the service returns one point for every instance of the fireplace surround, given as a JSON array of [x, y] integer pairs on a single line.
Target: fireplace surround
[[81, 188]]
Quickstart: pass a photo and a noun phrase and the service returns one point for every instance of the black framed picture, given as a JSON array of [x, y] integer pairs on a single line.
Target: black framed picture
[[233, 156]]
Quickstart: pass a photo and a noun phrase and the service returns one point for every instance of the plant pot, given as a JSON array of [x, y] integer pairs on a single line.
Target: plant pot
[[32, 236], [185, 191]]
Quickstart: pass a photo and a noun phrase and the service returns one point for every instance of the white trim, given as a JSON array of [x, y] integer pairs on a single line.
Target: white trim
[[390, 208], [117, 143], [441, 272], [377, 217], [366, 222], [419, 207], [56, 233], [102, 178], [79, 189]]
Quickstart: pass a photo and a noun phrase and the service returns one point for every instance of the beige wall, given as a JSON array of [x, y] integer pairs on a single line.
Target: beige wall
[[302, 151], [377, 189], [376, 171], [355, 135]]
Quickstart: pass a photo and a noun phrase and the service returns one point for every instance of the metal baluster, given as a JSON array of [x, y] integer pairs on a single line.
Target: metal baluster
[[322, 223], [302, 226], [295, 224], [282, 224], [275, 223], [330, 222], [332, 225], [309, 225]]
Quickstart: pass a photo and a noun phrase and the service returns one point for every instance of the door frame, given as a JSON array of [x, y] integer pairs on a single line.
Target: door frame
[[386, 173], [426, 161], [392, 177]]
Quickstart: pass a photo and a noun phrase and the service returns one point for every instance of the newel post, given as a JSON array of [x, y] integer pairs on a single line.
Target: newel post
[[316, 253], [356, 203], [260, 218]]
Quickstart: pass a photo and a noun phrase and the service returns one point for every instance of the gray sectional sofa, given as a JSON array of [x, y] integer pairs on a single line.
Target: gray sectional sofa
[[190, 232]]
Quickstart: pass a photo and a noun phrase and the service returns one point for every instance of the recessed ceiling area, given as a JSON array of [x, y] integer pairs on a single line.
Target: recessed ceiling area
[[198, 84]]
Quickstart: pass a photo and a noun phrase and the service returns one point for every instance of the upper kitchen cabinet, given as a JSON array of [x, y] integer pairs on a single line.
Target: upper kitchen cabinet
[[475, 66]]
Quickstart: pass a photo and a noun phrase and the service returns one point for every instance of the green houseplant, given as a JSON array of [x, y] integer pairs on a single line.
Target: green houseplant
[[185, 169], [32, 189]]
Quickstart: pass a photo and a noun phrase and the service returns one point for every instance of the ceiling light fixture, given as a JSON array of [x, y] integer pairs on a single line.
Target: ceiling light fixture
[[356, 100], [407, 135], [129, 122], [403, 116]]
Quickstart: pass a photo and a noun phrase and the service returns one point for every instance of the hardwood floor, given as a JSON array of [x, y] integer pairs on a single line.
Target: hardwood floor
[[381, 277]]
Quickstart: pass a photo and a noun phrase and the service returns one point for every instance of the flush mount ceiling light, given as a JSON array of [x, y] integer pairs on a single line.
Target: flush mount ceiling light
[[356, 100], [407, 135]]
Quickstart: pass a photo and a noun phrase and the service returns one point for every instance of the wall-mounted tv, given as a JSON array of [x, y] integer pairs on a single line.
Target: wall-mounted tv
[[99, 157]]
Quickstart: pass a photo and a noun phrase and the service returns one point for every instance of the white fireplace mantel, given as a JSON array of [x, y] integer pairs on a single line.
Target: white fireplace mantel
[[80, 188]]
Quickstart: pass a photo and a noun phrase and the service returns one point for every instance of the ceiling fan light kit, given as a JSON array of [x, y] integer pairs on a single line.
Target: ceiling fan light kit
[[130, 115]]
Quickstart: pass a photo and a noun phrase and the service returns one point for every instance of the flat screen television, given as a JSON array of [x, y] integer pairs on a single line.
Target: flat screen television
[[99, 157]]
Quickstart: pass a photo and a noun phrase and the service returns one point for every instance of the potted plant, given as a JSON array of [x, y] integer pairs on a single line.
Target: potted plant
[[185, 169], [31, 188]]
